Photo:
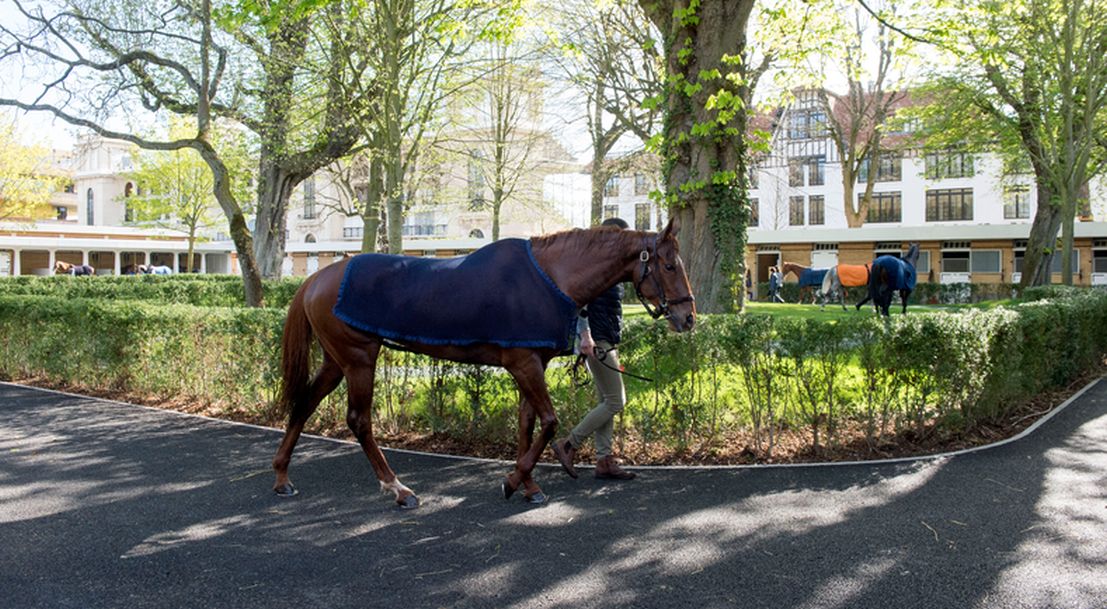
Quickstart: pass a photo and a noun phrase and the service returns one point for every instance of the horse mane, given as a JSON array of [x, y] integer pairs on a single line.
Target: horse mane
[[593, 242]]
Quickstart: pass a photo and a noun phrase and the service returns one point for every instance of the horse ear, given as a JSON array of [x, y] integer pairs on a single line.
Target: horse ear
[[671, 229]]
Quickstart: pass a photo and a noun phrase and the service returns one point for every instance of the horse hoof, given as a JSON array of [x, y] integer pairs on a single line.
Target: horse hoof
[[408, 503], [538, 498], [286, 490], [507, 489]]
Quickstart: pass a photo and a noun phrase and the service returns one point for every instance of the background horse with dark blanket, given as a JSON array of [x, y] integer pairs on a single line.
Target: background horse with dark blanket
[[890, 274], [810, 280], [77, 270], [478, 310]]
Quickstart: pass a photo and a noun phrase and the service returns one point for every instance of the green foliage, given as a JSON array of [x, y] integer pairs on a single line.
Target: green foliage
[[939, 373], [198, 290]]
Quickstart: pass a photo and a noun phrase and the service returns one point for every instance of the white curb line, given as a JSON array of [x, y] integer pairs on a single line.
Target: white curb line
[[934, 457]]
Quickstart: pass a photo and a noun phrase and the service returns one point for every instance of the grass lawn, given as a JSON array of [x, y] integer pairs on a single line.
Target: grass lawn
[[834, 311]]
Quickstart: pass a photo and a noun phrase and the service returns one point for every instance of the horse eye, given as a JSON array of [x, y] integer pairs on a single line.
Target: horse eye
[[670, 268]]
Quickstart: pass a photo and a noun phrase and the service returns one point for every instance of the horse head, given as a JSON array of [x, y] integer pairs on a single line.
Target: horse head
[[60, 266], [661, 281], [912, 256]]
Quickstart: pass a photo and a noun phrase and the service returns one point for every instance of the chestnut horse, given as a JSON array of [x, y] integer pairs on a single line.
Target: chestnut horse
[[807, 277], [582, 264], [64, 268]]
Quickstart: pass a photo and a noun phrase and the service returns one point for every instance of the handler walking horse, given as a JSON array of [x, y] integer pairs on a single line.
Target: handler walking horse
[[510, 304]]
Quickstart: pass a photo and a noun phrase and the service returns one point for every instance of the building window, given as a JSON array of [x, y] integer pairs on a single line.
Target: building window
[[1055, 262], [814, 168], [63, 212], [795, 211], [816, 171], [610, 211], [949, 164], [88, 206], [642, 216], [816, 213], [309, 198], [885, 207], [755, 212], [611, 187], [985, 261], [1016, 203], [1099, 261], [70, 188], [955, 262], [422, 224], [476, 233], [922, 265], [890, 170], [806, 124], [949, 205], [641, 184], [353, 232], [795, 172], [755, 178]]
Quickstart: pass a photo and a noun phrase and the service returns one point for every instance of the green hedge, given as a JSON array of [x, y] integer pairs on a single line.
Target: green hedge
[[195, 289], [920, 374]]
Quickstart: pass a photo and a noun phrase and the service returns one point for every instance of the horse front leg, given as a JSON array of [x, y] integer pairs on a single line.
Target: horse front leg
[[904, 295], [529, 372], [359, 416]]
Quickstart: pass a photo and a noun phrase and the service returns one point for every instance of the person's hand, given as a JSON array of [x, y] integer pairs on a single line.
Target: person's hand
[[587, 345]]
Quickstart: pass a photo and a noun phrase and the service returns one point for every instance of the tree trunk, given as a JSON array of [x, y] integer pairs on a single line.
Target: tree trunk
[[704, 150], [191, 250], [274, 191], [1043, 238], [393, 182], [497, 205], [854, 219], [371, 208], [240, 232]]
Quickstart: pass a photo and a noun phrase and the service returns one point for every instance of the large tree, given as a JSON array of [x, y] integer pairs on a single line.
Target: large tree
[[269, 66], [704, 150], [1029, 80]]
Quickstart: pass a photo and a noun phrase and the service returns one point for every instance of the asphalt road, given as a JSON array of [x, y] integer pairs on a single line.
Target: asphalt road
[[109, 505]]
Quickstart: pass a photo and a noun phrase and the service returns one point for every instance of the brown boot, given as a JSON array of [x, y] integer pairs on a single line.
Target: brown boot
[[565, 453], [608, 469]]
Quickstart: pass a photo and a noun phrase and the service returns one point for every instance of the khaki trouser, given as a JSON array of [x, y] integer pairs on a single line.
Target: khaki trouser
[[600, 421]]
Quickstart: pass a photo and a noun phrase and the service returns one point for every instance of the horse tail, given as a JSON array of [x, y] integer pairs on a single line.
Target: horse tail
[[295, 354]]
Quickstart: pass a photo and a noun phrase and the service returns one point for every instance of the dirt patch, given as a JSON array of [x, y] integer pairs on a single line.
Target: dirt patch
[[791, 445]]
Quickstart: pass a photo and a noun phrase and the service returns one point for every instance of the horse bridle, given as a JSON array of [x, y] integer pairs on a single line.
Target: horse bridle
[[663, 303]]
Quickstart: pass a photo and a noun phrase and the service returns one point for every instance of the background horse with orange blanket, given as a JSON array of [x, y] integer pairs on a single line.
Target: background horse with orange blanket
[[510, 304], [840, 278]]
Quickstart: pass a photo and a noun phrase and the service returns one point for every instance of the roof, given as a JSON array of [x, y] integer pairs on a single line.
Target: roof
[[944, 232]]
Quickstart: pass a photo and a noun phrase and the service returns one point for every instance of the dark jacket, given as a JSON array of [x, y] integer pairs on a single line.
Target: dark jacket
[[605, 315]]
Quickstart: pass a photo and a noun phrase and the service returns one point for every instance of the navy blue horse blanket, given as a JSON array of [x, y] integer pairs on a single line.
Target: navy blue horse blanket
[[497, 294], [812, 277], [900, 274]]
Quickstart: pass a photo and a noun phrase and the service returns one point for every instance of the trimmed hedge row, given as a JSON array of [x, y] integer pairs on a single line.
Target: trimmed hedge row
[[197, 290], [934, 373]]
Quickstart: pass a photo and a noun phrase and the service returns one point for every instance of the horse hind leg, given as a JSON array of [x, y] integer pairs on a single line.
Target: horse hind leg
[[359, 416], [325, 381]]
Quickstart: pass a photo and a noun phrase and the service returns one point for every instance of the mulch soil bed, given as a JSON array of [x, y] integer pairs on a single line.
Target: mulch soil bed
[[791, 445]]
